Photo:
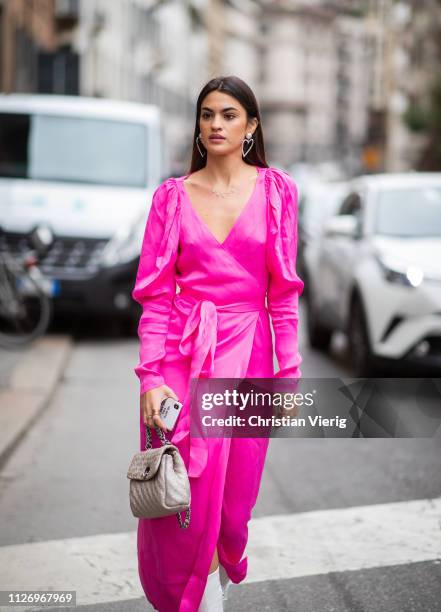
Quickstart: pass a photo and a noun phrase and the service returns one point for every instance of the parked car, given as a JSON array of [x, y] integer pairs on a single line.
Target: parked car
[[84, 169], [376, 273], [317, 203], [308, 173]]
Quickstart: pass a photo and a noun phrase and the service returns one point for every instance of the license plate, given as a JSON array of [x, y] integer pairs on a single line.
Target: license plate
[[51, 286]]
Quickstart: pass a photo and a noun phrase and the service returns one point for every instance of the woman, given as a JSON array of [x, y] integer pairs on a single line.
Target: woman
[[226, 233]]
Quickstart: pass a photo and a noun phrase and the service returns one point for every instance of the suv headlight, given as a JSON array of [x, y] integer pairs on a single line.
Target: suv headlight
[[124, 246], [397, 271]]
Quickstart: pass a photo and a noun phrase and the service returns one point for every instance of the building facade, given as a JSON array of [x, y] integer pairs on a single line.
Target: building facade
[[333, 78], [36, 49]]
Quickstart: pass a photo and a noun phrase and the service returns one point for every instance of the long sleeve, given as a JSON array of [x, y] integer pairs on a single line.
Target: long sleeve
[[155, 284], [284, 285]]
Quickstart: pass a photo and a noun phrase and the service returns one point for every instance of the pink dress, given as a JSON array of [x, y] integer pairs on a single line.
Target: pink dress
[[218, 325]]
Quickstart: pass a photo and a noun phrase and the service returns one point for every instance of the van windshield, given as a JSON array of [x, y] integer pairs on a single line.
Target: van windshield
[[73, 149]]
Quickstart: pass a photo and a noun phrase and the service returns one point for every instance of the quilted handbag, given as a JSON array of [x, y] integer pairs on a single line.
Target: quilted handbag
[[159, 483]]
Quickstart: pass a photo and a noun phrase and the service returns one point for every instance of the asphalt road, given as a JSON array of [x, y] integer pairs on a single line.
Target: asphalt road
[[341, 525]]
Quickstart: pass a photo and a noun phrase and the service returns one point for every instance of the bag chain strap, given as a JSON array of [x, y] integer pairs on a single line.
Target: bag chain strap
[[148, 445], [148, 441]]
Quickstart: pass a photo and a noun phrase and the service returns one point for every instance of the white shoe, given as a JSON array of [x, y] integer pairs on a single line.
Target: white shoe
[[225, 581], [212, 600]]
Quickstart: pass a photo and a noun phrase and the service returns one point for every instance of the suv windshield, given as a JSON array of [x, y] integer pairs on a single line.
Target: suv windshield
[[73, 149], [414, 212]]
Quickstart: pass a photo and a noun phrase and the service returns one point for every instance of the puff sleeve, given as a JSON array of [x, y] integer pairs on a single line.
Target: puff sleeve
[[155, 284], [284, 285]]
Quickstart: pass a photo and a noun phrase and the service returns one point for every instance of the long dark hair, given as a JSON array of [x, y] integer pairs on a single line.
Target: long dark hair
[[235, 87]]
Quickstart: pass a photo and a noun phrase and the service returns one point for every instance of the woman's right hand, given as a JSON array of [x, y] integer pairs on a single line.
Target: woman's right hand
[[151, 404]]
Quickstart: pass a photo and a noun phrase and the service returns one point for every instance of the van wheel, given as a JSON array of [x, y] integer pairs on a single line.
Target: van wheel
[[319, 336], [130, 325], [362, 359]]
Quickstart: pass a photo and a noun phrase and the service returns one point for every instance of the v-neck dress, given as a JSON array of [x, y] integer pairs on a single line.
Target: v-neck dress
[[207, 309]]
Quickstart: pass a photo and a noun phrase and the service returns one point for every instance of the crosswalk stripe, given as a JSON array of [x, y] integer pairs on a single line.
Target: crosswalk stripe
[[103, 568], [344, 539]]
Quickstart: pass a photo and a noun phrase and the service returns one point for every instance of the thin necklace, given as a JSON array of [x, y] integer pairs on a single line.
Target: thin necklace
[[224, 194]]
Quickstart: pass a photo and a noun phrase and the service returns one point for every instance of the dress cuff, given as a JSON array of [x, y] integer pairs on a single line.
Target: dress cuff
[[150, 382]]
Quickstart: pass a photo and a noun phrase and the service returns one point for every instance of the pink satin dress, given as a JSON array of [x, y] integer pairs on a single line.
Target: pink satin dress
[[216, 325]]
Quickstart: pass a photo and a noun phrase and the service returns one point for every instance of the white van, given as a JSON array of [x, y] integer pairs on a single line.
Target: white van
[[86, 168]]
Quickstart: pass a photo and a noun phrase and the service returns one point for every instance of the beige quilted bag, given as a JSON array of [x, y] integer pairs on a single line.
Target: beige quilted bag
[[159, 483]]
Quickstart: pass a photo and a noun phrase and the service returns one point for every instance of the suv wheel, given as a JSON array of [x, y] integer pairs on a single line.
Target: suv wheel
[[363, 363], [319, 337]]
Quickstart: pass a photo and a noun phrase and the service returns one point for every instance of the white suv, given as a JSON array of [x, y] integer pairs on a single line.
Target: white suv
[[375, 273]]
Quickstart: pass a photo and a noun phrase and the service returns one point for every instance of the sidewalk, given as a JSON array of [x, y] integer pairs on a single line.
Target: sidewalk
[[28, 377]]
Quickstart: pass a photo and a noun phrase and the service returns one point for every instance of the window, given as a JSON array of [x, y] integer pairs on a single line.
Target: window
[[409, 213], [74, 149], [351, 205]]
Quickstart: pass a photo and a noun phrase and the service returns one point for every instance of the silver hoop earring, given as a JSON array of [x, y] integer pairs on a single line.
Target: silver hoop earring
[[247, 142], [197, 144]]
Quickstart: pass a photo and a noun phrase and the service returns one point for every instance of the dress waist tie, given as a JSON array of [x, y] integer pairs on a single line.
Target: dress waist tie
[[199, 341]]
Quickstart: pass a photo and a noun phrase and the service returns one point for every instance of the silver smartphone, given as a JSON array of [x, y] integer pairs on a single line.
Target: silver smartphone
[[169, 411]]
